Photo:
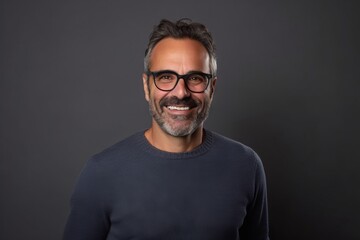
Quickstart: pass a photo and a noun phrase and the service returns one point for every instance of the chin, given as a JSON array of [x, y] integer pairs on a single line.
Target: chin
[[180, 131]]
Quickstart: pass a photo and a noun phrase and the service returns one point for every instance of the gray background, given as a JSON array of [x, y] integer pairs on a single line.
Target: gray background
[[288, 72]]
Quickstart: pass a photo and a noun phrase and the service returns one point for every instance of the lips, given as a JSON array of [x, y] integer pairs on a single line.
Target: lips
[[173, 103]]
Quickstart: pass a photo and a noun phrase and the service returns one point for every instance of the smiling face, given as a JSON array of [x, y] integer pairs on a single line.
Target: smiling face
[[178, 112]]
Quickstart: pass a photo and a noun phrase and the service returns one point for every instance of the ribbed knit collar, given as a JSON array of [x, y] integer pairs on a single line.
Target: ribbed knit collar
[[144, 145]]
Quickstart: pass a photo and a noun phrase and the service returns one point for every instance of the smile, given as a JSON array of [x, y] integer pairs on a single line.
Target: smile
[[178, 108]]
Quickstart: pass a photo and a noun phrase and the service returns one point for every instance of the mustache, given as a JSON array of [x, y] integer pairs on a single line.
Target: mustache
[[188, 101]]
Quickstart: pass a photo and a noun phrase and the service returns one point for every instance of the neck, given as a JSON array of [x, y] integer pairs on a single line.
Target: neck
[[166, 142]]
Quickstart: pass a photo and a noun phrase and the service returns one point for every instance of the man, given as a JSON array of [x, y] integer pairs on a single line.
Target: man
[[176, 180]]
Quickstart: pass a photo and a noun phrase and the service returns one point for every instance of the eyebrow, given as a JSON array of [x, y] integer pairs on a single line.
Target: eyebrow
[[189, 72]]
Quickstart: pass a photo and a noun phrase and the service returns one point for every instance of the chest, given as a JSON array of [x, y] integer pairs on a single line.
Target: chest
[[159, 203]]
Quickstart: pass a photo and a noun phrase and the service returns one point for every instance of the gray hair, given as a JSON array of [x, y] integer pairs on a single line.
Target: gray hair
[[183, 28]]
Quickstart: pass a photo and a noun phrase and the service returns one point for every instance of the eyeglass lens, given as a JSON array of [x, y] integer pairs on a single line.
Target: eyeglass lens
[[195, 82]]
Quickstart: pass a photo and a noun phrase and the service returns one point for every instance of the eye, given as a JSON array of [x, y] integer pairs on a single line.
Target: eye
[[196, 79], [165, 77]]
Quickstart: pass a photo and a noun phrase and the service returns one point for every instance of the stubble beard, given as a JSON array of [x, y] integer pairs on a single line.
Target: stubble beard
[[165, 121]]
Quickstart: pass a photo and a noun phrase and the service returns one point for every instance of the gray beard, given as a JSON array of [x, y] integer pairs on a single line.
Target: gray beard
[[180, 131]]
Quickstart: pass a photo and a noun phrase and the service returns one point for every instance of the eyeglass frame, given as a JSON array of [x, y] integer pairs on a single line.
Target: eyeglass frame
[[185, 77]]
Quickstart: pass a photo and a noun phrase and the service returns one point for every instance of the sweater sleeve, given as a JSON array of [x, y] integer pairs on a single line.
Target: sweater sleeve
[[88, 219], [256, 226]]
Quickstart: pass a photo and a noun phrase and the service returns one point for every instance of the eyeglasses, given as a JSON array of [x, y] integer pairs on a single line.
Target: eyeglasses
[[195, 81]]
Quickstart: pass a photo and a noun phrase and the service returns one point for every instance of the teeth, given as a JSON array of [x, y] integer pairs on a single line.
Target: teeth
[[178, 108]]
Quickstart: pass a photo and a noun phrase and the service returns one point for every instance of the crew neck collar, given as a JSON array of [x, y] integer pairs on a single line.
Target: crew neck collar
[[145, 145]]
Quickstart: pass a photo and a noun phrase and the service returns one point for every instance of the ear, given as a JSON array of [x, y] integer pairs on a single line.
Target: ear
[[146, 86], [212, 87]]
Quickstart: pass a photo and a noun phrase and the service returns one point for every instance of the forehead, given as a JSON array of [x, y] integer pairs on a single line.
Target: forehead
[[181, 55]]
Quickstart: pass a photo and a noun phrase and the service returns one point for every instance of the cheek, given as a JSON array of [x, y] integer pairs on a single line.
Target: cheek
[[203, 98], [156, 96]]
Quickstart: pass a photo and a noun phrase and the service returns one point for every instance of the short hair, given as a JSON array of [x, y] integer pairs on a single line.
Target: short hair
[[181, 29]]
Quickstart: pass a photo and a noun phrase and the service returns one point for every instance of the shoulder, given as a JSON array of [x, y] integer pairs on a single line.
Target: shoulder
[[228, 144], [103, 167], [234, 150], [120, 150], [242, 159]]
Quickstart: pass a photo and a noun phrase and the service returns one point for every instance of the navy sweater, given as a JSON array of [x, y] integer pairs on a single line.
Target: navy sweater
[[135, 191]]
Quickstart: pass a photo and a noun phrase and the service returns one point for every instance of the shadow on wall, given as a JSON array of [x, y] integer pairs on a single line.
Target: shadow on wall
[[308, 187]]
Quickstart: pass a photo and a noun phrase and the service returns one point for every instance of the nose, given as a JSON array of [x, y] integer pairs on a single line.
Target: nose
[[180, 90]]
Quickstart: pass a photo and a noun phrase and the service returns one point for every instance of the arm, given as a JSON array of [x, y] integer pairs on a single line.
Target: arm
[[256, 225], [88, 219]]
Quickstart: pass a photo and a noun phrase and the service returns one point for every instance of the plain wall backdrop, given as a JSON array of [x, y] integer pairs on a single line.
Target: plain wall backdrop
[[70, 85]]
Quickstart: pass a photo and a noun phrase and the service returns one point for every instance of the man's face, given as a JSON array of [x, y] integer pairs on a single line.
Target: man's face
[[178, 112]]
